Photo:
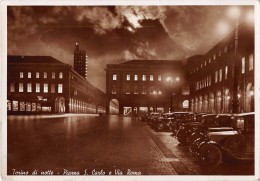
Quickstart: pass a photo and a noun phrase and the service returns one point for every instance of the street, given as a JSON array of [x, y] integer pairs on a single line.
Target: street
[[96, 145]]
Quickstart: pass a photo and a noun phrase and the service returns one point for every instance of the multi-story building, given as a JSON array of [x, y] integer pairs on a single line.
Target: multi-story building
[[146, 85], [80, 61], [43, 84], [213, 84]]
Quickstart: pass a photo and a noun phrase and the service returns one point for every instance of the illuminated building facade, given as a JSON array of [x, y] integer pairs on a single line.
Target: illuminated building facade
[[211, 76], [146, 85], [42, 84], [80, 61]]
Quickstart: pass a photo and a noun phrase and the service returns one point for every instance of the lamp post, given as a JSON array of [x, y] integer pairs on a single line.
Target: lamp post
[[156, 93], [170, 80]]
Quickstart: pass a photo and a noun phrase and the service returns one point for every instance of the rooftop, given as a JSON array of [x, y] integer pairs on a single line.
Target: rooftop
[[31, 59], [152, 62]]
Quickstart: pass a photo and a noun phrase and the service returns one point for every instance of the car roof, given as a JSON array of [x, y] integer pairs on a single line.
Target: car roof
[[245, 114]]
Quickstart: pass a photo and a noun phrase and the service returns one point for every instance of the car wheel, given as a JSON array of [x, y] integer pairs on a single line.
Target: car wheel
[[160, 127], [210, 155]]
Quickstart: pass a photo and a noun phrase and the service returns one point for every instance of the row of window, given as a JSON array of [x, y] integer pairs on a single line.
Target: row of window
[[135, 90], [250, 62], [25, 106], [38, 88], [45, 75], [135, 78]]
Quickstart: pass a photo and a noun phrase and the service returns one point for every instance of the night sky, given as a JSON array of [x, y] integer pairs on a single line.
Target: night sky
[[114, 34]]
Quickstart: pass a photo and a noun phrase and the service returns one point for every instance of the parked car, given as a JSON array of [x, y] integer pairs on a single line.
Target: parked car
[[180, 119], [152, 117], [163, 122], [237, 142], [188, 132]]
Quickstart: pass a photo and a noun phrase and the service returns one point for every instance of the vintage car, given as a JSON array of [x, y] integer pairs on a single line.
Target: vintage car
[[190, 128], [181, 119], [236, 142], [163, 122], [152, 117]]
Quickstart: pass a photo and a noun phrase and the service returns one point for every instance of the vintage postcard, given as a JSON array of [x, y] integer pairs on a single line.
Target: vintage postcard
[[96, 90]]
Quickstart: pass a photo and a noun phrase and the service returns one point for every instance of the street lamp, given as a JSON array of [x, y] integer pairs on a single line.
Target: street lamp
[[170, 80], [156, 93]]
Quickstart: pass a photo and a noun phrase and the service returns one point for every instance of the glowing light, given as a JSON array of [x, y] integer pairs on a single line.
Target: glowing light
[[223, 28], [177, 79], [234, 12], [250, 17], [168, 79], [238, 95], [251, 93]]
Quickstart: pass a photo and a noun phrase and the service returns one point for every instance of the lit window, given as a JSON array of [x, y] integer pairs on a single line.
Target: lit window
[[53, 75], [209, 80], [144, 77], [61, 75], [214, 56], [60, 87], [159, 78], [136, 77], [22, 106], [45, 75], [216, 76], [209, 60], [45, 88], [220, 75], [219, 54], [201, 65], [37, 88], [205, 63], [15, 105], [29, 75], [151, 77], [226, 72], [127, 77], [251, 62], [243, 65], [12, 87], [52, 88], [21, 74], [29, 87], [20, 87], [37, 75], [114, 77]]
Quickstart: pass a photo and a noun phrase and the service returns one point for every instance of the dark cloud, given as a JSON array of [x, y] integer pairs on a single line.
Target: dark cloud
[[113, 34]]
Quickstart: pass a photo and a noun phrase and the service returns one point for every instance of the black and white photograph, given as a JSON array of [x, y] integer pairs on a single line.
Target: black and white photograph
[[132, 90]]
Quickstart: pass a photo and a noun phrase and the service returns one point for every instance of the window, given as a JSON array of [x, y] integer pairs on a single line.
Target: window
[[12, 87], [226, 72], [53, 75], [21, 74], [214, 56], [243, 65], [143, 90], [144, 77], [151, 77], [52, 88], [114, 77], [251, 62], [61, 75], [22, 106], [159, 78], [127, 77], [225, 49], [127, 90], [209, 60], [29, 87], [216, 76], [20, 87], [219, 54], [45, 88], [205, 63], [37, 88], [37, 75], [135, 90], [220, 75], [29, 75], [114, 90], [15, 105], [60, 87], [136, 77], [209, 80], [45, 75]]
